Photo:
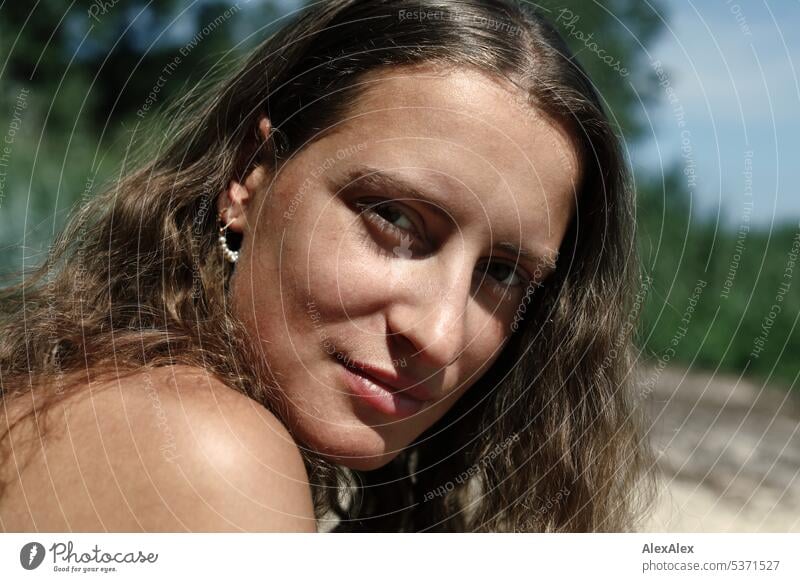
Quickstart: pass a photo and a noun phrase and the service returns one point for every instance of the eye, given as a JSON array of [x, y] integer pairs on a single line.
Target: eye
[[505, 274], [387, 216]]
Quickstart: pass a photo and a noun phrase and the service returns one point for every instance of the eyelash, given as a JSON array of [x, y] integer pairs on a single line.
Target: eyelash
[[378, 220], [384, 225]]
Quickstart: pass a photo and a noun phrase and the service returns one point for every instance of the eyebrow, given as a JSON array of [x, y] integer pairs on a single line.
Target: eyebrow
[[376, 181]]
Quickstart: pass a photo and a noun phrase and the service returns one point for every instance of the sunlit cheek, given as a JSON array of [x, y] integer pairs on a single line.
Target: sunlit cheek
[[348, 269]]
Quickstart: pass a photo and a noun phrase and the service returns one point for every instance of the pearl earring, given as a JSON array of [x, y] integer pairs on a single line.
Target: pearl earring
[[230, 256]]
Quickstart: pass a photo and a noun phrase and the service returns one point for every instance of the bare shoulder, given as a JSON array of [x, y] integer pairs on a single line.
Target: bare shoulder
[[165, 449]]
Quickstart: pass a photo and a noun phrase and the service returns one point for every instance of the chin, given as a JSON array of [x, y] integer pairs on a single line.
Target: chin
[[364, 464], [360, 450]]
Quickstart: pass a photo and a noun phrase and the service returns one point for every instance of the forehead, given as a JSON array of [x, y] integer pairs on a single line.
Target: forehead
[[488, 117], [461, 128]]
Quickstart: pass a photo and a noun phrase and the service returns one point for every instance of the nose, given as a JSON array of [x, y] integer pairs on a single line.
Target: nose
[[428, 309]]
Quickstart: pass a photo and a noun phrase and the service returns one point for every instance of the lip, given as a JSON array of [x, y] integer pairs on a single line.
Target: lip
[[390, 399]]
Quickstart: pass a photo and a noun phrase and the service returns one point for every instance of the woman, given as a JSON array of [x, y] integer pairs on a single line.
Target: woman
[[378, 280]]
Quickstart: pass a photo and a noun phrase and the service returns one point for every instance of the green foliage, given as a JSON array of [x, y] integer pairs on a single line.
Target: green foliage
[[87, 70], [746, 272], [681, 250]]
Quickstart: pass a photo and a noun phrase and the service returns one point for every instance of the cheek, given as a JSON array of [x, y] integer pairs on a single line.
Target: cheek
[[346, 275], [486, 347], [308, 270]]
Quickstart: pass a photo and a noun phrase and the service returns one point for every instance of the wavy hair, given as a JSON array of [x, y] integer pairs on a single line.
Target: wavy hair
[[552, 440]]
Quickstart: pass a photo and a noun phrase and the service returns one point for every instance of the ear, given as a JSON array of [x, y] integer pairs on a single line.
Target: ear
[[234, 201]]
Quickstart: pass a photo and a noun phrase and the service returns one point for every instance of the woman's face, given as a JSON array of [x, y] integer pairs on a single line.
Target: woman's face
[[387, 247]]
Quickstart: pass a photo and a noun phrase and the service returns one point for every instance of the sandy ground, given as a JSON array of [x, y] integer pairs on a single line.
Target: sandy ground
[[729, 454]]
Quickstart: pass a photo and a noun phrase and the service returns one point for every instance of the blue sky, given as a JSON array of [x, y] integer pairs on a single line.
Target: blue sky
[[732, 66]]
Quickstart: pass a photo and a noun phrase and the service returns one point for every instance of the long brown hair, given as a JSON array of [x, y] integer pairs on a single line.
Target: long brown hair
[[552, 439]]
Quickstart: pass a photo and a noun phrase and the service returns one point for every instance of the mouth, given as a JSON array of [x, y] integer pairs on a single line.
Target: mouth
[[380, 395]]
